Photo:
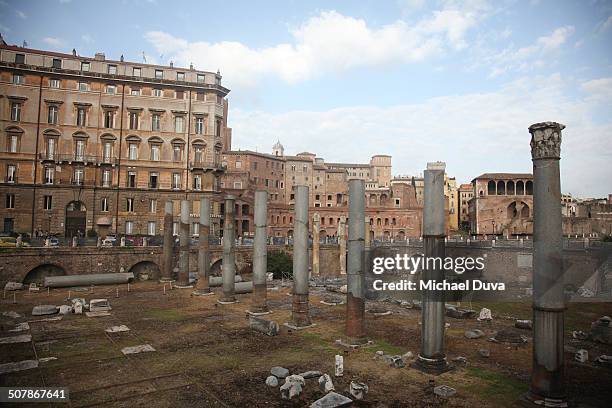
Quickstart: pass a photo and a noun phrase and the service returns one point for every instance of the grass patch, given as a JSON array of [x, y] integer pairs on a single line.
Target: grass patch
[[317, 341], [496, 387], [386, 347], [167, 315]]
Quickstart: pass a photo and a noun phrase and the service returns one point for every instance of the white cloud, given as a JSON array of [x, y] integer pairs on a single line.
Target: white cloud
[[21, 14], [328, 42], [87, 38], [473, 133], [4, 29], [606, 24], [522, 59], [54, 42], [599, 89]]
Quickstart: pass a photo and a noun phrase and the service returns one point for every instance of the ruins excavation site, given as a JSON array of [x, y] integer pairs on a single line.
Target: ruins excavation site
[[317, 338]]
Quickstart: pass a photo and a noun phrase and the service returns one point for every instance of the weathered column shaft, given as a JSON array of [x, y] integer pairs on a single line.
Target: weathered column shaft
[[229, 256], [432, 357], [355, 295], [260, 254], [342, 245], [300, 315], [183, 276], [168, 245], [316, 226], [203, 249], [547, 378], [367, 232]]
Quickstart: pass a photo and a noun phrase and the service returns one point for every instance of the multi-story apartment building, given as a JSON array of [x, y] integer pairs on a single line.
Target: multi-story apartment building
[[97, 144], [502, 204], [465, 192]]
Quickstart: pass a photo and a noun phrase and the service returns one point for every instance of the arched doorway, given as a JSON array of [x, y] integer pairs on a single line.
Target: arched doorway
[[76, 216], [145, 270], [38, 274]]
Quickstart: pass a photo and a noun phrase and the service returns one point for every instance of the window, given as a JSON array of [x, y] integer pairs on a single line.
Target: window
[[175, 228], [57, 63], [237, 184], [111, 89], [81, 116], [238, 164], [135, 91], [200, 96], [195, 228], [177, 153], [48, 202], [18, 79], [13, 143], [106, 178], [132, 151], [180, 95], [201, 78], [104, 204], [136, 72], [151, 228], [197, 154], [155, 150], [83, 86], [54, 83], [85, 66], [157, 92], [153, 206], [197, 182], [15, 111], [131, 180], [178, 124], [218, 128], [159, 74], [50, 148], [176, 180], [78, 176], [79, 149], [10, 201], [129, 204], [199, 126], [153, 177], [134, 120], [52, 117], [107, 152], [11, 173], [129, 227], [109, 119], [49, 175], [112, 69], [180, 76], [155, 122]]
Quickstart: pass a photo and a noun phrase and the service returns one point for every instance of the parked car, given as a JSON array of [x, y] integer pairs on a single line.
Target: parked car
[[109, 241], [54, 242]]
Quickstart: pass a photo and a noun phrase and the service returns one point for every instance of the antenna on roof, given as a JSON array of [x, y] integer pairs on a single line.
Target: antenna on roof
[[144, 57]]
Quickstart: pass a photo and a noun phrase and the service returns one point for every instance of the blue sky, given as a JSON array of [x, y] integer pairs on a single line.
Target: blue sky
[[422, 81]]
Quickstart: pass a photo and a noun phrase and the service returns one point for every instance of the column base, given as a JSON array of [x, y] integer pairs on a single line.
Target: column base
[[431, 366], [202, 292], [227, 301], [182, 286], [294, 327], [530, 399], [166, 280], [257, 312], [352, 343]]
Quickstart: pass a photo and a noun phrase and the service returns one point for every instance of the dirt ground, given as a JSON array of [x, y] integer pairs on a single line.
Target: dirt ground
[[206, 356]]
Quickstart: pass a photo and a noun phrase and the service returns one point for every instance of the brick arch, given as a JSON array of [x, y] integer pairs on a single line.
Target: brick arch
[[145, 266], [38, 273]]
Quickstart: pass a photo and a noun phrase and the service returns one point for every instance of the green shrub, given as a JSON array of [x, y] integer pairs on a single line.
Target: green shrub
[[280, 264]]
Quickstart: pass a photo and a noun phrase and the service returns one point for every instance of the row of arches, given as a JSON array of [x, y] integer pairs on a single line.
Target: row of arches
[[510, 187]]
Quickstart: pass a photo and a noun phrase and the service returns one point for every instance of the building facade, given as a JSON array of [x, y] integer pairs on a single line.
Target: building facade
[[465, 192], [502, 204], [90, 144]]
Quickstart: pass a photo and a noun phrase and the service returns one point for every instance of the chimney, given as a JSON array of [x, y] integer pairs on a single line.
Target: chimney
[[99, 56]]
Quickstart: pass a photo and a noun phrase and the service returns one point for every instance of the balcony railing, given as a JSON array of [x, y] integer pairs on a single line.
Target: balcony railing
[[69, 158], [208, 165], [12, 179]]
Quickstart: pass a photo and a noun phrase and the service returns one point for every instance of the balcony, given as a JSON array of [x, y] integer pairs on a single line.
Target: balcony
[[76, 158], [213, 166]]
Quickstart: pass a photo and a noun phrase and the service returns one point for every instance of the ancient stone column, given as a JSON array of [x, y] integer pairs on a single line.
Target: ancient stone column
[[203, 287], [229, 257], [432, 358], [168, 245], [316, 226], [367, 232], [355, 295], [183, 275], [300, 316], [259, 303], [547, 378], [342, 245]]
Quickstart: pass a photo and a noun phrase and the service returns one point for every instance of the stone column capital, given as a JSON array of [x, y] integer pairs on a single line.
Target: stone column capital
[[546, 140]]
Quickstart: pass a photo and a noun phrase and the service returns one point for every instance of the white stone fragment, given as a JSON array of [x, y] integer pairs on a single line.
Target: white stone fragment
[[339, 366], [142, 348]]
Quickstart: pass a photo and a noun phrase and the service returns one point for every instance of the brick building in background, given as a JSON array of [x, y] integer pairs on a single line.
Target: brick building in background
[[96, 144]]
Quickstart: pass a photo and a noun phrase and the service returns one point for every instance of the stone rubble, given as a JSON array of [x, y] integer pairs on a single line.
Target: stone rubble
[[117, 329], [279, 372], [272, 381], [142, 348], [444, 391], [332, 400], [473, 334], [10, 286], [12, 314], [42, 310], [18, 366], [604, 360], [267, 327], [394, 361], [524, 324], [601, 330], [325, 383], [20, 327], [581, 356], [485, 315], [292, 387], [486, 353], [310, 374], [358, 390], [22, 338], [339, 366]]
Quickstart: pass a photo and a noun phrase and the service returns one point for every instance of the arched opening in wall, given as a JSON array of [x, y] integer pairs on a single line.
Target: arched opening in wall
[[322, 235], [386, 235], [372, 199], [520, 188], [371, 236], [529, 188], [145, 270], [401, 236], [525, 210], [76, 216], [215, 268], [38, 274], [511, 211], [290, 234], [245, 209], [245, 226], [501, 188], [383, 200], [510, 188], [338, 198], [491, 188]]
